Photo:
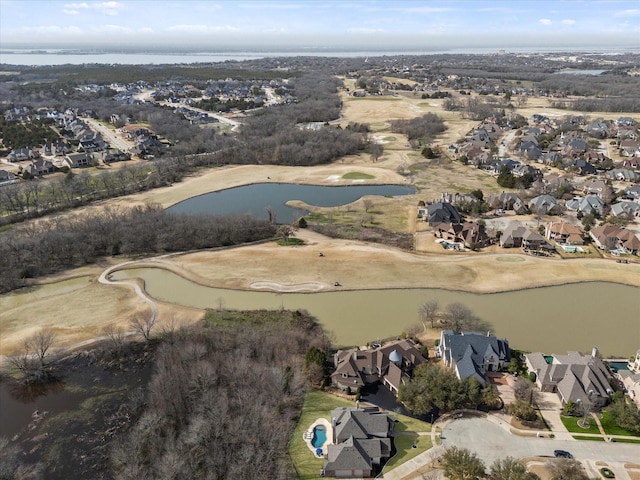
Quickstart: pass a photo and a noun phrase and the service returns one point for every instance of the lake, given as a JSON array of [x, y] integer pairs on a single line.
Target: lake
[[549, 319], [255, 198]]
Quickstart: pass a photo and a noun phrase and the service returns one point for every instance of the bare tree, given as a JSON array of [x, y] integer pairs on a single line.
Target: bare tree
[[32, 361], [525, 390], [367, 203], [428, 311], [285, 231], [567, 469], [459, 315], [376, 151], [271, 213], [115, 335], [143, 327], [412, 330]]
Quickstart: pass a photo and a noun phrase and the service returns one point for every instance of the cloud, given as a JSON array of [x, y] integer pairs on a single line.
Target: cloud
[[364, 30], [630, 12], [568, 21], [106, 8], [201, 29], [545, 21]]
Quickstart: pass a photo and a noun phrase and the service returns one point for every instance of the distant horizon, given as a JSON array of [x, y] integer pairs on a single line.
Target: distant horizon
[[355, 25]]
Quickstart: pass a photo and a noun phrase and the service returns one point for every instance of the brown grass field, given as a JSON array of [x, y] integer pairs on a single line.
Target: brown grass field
[[80, 313]]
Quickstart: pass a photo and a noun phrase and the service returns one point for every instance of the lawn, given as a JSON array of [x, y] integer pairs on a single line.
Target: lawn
[[316, 404], [357, 176], [404, 443], [611, 428], [589, 437], [319, 404], [571, 424]]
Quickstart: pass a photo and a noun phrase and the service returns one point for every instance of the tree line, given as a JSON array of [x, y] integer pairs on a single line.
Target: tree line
[[53, 245], [223, 401]]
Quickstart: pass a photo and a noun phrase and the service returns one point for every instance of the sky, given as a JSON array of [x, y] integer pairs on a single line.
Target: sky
[[389, 24]]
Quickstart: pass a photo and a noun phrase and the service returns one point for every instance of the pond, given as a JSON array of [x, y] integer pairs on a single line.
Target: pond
[[255, 199], [549, 319]]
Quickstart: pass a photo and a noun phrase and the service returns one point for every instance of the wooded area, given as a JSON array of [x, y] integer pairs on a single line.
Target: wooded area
[[57, 244], [223, 400]]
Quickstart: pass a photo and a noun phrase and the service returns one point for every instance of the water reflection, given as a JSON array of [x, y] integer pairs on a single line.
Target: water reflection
[[254, 199]]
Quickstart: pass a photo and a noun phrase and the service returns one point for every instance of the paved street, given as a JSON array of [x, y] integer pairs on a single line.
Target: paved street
[[491, 441]]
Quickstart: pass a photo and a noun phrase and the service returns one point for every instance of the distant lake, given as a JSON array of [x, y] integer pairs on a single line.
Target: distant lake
[[254, 199], [572, 71], [48, 56]]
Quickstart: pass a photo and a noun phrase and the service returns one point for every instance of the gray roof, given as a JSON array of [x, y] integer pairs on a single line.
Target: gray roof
[[442, 212], [467, 351], [351, 422], [348, 455]]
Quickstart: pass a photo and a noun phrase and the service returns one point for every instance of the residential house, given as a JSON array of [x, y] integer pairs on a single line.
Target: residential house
[[6, 178], [574, 377], [625, 122], [634, 365], [623, 175], [583, 167], [77, 160], [391, 363], [38, 167], [516, 235], [632, 192], [631, 383], [564, 233], [598, 187], [586, 205], [22, 154], [113, 155], [633, 162], [629, 148], [522, 170], [509, 201], [626, 208], [530, 150], [545, 204], [615, 239], [442, 212], [473, 354], [470, 234], [361, 442]]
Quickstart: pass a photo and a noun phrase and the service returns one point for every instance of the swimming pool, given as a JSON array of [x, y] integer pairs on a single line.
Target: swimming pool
[[569, 248], [319, 436], [617, 366]]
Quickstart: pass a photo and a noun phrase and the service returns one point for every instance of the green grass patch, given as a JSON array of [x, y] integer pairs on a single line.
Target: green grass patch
[[408, 424], [390, 139], [316, 405], [610, 427], [405, 451], [357, 176], [290, 242], [592, 438], [625, 440], [571, 424]]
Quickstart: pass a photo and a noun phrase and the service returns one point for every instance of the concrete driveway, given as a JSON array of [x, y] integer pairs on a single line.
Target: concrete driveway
[[491, 441]]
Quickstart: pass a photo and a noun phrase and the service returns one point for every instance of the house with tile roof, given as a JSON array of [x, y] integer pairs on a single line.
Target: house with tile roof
[[574, 377], [615, 239], [564, 233], [473, 354], [392, 364], [361, 442]]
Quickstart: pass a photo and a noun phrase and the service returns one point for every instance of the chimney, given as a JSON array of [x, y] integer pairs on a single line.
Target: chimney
[[595, 353]]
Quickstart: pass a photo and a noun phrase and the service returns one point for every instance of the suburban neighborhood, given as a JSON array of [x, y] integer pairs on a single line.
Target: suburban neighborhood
[[170, 309]]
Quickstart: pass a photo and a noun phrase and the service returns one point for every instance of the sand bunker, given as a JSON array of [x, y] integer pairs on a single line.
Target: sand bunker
[[298, 287]]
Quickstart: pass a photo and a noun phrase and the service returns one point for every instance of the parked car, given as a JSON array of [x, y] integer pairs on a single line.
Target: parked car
[[562, 454]]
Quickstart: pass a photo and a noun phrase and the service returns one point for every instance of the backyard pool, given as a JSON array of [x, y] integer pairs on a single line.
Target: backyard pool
[[617, 366], [572, 249], [319, 436]]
